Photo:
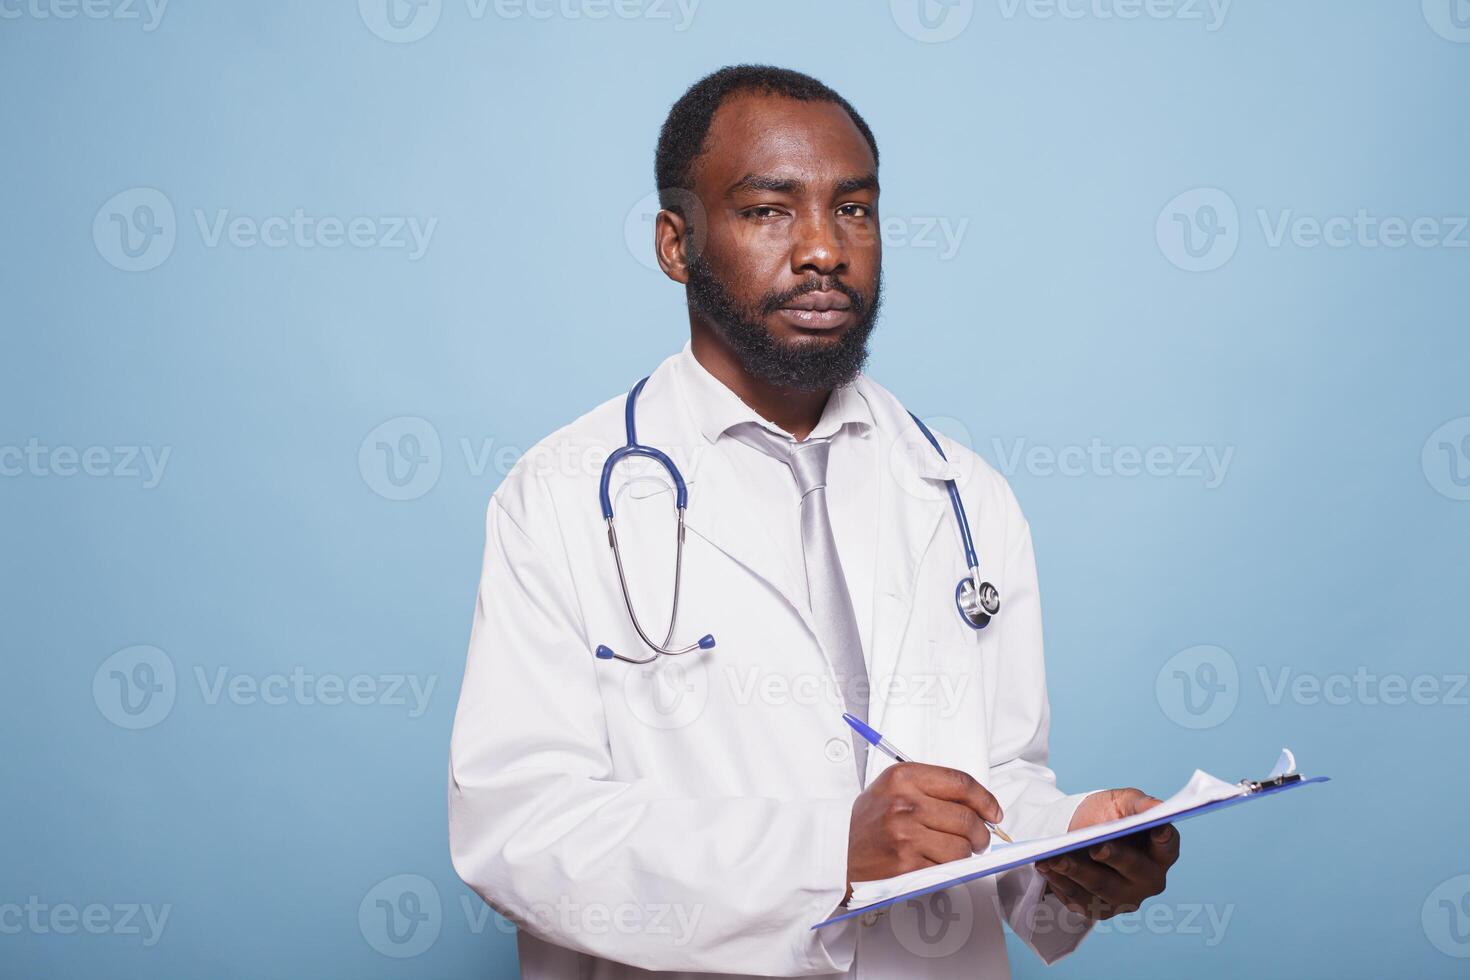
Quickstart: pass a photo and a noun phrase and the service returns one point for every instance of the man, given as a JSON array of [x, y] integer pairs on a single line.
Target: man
[[698, 813]]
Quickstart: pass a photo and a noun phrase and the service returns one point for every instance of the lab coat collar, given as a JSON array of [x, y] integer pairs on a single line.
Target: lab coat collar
[[912, 506], [709, 409], [716, 409]]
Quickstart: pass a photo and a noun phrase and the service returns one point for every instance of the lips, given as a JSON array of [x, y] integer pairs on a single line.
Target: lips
[[820, 301]]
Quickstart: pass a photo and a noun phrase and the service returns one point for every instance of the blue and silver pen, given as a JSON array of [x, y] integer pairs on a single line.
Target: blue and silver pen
[[889, 749]]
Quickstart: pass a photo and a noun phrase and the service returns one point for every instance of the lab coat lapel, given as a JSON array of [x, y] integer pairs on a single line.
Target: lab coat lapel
[[718, 509], [720, 513], [912, 502]]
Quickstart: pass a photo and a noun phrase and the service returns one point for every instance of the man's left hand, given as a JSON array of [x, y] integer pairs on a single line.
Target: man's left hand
[[1117, 875]]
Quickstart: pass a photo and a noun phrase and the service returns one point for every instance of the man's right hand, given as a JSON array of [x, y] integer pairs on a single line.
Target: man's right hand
[[914, 815]]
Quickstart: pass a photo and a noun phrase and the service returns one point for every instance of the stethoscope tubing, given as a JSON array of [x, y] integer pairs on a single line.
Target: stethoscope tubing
[[985, 602]]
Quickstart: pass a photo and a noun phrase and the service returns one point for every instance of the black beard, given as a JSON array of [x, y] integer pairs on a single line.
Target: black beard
[[800, 367]]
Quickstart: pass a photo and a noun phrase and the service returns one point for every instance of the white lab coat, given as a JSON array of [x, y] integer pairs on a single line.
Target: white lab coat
[[691, 815]]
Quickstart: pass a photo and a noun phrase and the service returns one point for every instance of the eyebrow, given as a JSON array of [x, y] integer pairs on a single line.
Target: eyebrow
[[789, 185]]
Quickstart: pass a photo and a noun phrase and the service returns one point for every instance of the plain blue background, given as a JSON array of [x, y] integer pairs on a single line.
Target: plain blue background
[[1334, 546]]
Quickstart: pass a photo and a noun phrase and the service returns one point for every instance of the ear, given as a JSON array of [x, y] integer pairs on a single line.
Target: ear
[[671, 245]]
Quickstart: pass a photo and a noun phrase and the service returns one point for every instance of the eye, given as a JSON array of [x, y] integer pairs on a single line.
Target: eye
[[762, 212], [853, 210]]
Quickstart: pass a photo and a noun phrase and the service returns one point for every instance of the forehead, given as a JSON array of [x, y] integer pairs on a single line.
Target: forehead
[[754, 133]]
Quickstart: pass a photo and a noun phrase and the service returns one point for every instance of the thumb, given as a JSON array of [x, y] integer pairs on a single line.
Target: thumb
[[1140, 802]]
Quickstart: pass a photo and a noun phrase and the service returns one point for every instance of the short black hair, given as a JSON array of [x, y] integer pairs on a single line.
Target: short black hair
[[681, 140]]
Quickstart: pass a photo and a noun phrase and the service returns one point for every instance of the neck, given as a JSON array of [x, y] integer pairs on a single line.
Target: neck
[[795, 411]]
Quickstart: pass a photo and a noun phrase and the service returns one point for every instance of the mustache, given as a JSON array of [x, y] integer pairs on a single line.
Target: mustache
[[775, 301]]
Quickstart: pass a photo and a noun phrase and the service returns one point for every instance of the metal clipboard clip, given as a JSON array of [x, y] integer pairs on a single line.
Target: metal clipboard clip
[[1283, 773]]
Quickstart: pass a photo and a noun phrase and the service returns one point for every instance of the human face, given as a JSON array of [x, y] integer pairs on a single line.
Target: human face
[[788, 264]]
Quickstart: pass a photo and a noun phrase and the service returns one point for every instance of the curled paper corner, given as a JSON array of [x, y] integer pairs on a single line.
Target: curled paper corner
[[1284, 765]]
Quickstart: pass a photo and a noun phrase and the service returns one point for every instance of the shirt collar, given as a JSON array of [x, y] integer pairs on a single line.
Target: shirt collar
[[715, 408]]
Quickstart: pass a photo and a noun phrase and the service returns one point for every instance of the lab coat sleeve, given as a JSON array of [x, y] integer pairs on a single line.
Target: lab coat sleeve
[[623, 870], [1019, 775]]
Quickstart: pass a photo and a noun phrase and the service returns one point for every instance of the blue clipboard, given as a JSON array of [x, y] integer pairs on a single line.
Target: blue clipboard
[[1254, 791]]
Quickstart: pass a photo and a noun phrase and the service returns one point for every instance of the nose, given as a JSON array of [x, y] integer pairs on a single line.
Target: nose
[[819, 247]]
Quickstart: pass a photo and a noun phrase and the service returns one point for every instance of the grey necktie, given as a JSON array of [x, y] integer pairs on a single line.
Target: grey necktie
[[831, 603]]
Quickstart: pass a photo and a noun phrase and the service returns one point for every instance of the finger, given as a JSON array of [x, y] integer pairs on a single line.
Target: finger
[[1073, 895], [953, 818], [961, 787], [1163, 845], [1143, 802], [1092, 876], [938, 848], [1132, 862]]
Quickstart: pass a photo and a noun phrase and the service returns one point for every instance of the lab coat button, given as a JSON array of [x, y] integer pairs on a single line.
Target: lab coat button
[[869, 918], [838, 750]]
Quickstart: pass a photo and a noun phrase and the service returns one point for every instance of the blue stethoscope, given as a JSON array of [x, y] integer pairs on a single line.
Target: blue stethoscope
[[976, 601]]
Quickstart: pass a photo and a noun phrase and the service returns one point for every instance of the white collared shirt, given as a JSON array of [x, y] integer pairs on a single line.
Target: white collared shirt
[[852, 468]]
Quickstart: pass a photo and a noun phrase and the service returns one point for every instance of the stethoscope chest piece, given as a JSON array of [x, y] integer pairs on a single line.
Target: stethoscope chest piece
[[976, 606]]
